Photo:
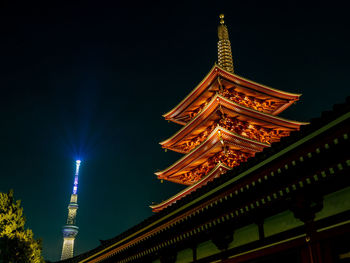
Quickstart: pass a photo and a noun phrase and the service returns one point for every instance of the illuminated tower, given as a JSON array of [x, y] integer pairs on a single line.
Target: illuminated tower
[[70, 230]]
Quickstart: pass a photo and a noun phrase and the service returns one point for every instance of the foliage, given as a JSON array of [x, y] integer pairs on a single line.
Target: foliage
[[17, 244]]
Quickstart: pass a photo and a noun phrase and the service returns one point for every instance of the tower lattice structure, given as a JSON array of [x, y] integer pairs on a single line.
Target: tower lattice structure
[[70, 230]]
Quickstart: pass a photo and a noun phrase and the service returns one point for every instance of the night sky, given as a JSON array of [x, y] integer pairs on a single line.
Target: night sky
[[91, 80]]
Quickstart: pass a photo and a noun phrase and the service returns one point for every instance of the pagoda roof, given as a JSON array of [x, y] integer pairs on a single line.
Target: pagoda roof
[[214, 173], [210, 146], [179, 112], [208, 115]]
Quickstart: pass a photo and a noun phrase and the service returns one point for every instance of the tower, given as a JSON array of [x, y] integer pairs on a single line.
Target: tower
[[70, 230], [226, 119]]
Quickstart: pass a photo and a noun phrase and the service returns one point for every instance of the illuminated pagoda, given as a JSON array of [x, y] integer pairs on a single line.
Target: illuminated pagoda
[[70, 230], [226, 120]]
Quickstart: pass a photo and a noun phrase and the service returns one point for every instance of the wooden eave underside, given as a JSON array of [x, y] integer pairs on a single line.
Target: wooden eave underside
[[208, 148], [208, 115], [214, 173], [176, 113]]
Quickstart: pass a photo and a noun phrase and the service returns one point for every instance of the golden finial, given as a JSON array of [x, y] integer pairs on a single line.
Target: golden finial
[[224, 47], [222, 19]]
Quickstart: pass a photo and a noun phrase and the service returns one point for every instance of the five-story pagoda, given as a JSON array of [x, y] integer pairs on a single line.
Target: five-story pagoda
[[226, 119]]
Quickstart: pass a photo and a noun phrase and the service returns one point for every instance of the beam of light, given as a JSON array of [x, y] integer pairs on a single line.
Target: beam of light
[[77, 166]]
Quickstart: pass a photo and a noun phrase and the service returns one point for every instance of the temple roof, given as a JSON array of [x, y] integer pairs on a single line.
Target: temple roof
[[238, 176], [209, 114], [212, 145], [209, 84], [214, 173]]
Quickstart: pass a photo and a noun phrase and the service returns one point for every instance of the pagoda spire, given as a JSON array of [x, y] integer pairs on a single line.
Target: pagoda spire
[[225, 60]]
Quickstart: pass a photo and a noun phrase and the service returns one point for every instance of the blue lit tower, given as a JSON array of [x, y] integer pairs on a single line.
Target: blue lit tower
[[70, 230]]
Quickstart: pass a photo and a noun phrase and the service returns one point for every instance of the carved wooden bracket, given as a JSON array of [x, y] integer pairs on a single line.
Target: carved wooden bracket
[[222, 238], [305, 206]]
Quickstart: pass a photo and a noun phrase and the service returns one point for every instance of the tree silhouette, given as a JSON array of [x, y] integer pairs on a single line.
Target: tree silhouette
[[17, 244]]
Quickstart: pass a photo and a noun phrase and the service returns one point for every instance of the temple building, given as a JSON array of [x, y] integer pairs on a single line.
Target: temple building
[[259, 188]]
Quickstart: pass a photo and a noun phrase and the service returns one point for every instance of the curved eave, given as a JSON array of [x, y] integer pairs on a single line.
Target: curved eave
[[215, 172], [213, 105], [283, 107], [210, 146], [194, 93], [259, 87], [214, 72]]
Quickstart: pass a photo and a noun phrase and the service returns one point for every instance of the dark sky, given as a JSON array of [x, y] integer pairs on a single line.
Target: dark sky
[[91, 80]]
